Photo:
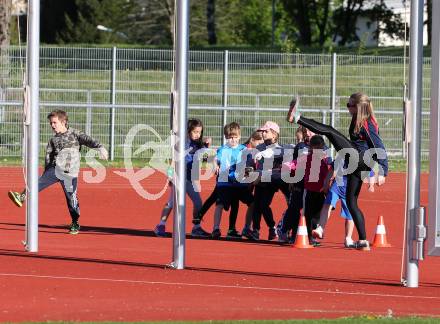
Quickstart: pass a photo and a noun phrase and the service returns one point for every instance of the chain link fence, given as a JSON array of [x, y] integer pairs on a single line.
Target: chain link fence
[[245, 87]]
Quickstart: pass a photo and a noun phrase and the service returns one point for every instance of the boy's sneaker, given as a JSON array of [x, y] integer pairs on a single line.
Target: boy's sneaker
[[216, 234], [363, 245], [318, 232], [292, 239], [283, 237], [314, 242], [280, 224], [199, 232], [349, 244], [247, 233], [279, 228], [74, 228], [233, 234], [272, 234], [16, 198], [255, 234], [159, 230]]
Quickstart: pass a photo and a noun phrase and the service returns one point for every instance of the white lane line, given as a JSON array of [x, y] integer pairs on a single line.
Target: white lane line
[[220, 286]]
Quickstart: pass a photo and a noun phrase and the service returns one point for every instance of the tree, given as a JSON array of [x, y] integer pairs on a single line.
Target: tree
[[210, 25], [81, 24], [311, 20], [428, 21], [244, 22], [323, 14], [345, 18], [5, 20], [387, 22], [153, 22], [53, 15], [257, 22]]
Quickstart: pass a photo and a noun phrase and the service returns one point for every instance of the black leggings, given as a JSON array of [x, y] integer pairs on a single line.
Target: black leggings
[[211, 201], [263, 198], [354, 179], [293, 212], [264, 194]]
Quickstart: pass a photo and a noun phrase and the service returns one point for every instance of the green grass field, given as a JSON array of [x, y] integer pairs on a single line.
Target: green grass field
[[81, 76]]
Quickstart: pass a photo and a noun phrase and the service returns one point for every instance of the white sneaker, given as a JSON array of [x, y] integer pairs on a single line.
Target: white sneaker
[[349, 244], [318, 232]]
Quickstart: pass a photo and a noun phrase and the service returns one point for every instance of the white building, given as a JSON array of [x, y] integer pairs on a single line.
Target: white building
[[365, 28], [402, 8]]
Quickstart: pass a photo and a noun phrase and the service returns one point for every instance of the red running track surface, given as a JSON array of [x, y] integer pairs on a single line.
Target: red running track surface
[[115, 269]]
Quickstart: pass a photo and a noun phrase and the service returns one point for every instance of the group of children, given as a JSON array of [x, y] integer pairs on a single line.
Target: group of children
[[251, 173]]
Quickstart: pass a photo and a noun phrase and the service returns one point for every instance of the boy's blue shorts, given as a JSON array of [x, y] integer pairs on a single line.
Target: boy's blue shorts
[[332, 198]]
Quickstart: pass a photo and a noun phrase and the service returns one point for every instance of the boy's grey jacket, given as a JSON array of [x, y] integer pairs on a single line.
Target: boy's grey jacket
[[72, 139]]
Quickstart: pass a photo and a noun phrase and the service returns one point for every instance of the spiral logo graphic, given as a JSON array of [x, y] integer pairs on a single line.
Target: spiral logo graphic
[[158, 161]]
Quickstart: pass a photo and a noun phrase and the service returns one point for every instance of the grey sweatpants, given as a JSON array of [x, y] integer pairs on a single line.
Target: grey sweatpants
[[48, 178]]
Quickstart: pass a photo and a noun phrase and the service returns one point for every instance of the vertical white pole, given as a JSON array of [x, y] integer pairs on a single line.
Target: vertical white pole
[[434, 136], [181, 77], [225, 94], [113, 103], [89, 113], [333, 95], [415, 116], [33, 138]]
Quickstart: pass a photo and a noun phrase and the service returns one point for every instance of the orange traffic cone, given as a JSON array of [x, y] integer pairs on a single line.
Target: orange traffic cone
[[302, 238], [380, 238]]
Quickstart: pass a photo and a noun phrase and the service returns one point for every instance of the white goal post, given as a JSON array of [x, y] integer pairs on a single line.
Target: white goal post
[[434, 149]]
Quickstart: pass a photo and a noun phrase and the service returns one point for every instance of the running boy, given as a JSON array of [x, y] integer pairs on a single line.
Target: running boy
[[62, 163]]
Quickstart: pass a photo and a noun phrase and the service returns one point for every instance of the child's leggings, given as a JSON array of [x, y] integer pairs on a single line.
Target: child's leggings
[[193, 195], [211, 201]]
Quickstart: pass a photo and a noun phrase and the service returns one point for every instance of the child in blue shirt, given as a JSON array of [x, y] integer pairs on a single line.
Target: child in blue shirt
[[229, 185]]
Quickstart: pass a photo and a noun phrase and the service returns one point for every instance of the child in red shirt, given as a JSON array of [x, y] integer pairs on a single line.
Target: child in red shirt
[[316, 166]]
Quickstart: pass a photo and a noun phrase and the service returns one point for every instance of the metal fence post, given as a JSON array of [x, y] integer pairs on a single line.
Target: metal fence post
[[2, 108], [333, 95], [257, 112], [89, 114], [404, 104], [113, 102], [224, 95]]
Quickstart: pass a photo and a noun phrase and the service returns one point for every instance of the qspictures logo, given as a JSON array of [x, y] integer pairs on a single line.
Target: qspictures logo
[[204, 164]]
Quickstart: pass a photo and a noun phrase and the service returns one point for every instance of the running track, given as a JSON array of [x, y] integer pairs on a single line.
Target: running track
[[115, 269]]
